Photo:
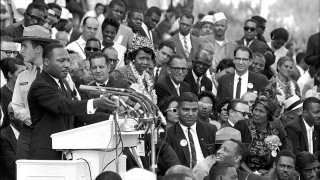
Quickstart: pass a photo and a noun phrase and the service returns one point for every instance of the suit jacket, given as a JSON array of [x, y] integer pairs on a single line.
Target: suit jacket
[[195, 43], [163, 72], [206, 83], [51, 112], [255, 46], [206, 134], [124, 36], [164, 88], [297, 133], [225, 88], [154, 35], [8, 144], [313, 50], [14, 30]]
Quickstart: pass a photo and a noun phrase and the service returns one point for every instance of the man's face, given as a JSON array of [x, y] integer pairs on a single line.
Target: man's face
[[8, 49], [258, 64], [100, 69], [227, 152], [312, 114], [220, 28], [284, 167], [188, 113], [109, 33], [63, 38], [201, 64], [135, 21], [242, 61], [152, 21], [231, 174], [250, 98], [163, 55], [178, 70], [309, 172], [288, 116], [113, 58], [206, 29], [34, 17], [238, 113], [250, 30], [117, 12], [91, 46], [49, 22], [185, 25], [28, 52], [87, 76], [58, 64], [90, 29]]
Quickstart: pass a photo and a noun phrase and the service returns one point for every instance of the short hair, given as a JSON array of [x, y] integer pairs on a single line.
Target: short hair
[[219, 169], [95, 55], [86, 19], [181, 169], [110, 21], [224, 64], [197, 54], [310, 100], [251, 20], [168, 44], [108, 175], [175, 176], [280, 33], [287, 153], [259, 19], [94, 39], [54, 5], [36, 5], [300, 56], [225, 100], [242, 149], [165, 102], [282, 60], [188, 15], [152, 10], [98, 4], [233, 103], [10, 65], [47, 51], [303, 158], [118, 3], [243, 48], [187, 97], [130, 13], [110, 48], [259, 54], [176, 56]]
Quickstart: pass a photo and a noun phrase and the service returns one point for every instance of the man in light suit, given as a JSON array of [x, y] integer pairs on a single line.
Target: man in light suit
[[305, 131], [151, 19], [236, 84], [187, 44]]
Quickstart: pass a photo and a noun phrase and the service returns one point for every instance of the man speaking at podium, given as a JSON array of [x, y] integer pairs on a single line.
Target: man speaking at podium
[[52, 105]]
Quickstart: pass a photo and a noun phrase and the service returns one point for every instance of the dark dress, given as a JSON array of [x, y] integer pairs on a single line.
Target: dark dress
[[260, 156], [6, 97]]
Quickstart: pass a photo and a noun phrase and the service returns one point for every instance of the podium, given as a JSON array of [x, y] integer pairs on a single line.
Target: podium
[[96, 144]]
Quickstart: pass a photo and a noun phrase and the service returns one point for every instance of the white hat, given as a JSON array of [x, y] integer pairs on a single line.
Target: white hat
[[207, 19], [65, 14], [292, 103], [227, 133], [218, 17]]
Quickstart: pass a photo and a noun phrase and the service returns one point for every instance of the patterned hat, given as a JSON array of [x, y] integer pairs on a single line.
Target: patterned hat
[[140, 42]]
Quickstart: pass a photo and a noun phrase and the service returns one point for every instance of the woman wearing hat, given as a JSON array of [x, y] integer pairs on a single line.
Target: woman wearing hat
[[141, 53], [264, 141]]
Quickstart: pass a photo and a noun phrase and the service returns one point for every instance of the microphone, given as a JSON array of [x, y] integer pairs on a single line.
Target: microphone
[[136, 106], [162, 118]]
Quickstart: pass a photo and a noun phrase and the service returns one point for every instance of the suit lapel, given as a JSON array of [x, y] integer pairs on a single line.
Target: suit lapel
[[201, 137], [180, 137], [171, 86], [230, 84], [192, 82], [304, 133], [316, 138]]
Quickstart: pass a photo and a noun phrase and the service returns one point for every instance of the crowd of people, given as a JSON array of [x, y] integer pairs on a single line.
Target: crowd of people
[[235, 108]]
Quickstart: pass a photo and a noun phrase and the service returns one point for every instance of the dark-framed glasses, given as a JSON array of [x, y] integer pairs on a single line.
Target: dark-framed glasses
[[199, 63], [252, 29], [113, 61], [39, 20], [178, 69], [94, 49], [172, 110], [9, 52], [238, 59], [243, 113]]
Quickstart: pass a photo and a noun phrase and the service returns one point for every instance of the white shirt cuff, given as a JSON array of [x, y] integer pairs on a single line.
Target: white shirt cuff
[[90, 108]]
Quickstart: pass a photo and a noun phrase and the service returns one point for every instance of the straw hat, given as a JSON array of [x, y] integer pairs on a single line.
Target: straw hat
[[36, 33]]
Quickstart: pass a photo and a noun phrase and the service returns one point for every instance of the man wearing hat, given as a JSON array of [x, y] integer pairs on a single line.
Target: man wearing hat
[[34, 39], [292, 109], [223, 47], [206, 25]]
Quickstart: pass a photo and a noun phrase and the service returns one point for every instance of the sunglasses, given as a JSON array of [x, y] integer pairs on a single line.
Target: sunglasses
[[172, 109], [177, 69], [237, 59], [252, 29], [198, 63], [94, 49], [38, 20], [9, 52]]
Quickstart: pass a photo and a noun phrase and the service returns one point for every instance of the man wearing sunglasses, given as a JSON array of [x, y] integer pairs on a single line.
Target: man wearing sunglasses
[[249, 39], [35, 14], [237, 110], [261, 27], [92, 45]]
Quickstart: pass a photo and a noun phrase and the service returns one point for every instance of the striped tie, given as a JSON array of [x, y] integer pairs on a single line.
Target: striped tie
[[186, 49]]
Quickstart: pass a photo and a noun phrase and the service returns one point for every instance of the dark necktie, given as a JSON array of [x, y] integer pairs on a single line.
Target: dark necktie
[[38, 71], [238, 92], [63, 89], [157, 76], [193, 155]]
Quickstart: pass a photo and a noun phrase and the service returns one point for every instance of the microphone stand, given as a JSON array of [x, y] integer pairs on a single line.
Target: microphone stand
[[116, 129]]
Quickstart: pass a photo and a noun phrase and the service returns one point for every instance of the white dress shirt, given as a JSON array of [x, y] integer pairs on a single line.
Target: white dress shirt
[[15, 132], [147, 31], [176, 86], [196, 78], [309, 135], [193, 131], [78, 46], [244, 83], [188, 38], [245, 42], [155, 71]]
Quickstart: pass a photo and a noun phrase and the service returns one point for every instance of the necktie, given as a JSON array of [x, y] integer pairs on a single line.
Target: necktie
[[193, 155], [310, 140], [157, 75], [238, 92], [186, 49], [198, 85], [38, 71], [63, 89]]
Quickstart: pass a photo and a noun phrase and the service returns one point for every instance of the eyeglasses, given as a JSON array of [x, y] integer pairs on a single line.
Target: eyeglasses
[[38, 20], [94, 49], [172, 109], [243, 113], [114, 61], [198, 63], [205, 105], [252, 29], [177, 69], [9, 52], [262, 27], [241, 59]]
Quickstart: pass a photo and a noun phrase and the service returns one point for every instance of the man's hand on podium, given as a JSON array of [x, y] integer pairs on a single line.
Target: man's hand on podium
[[105, 103]]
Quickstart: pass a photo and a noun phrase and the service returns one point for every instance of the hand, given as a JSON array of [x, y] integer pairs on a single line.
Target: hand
[[263, 172], [104, 103]]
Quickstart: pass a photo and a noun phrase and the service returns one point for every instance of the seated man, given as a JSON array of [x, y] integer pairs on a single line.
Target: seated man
[[284, 166], [221, 171], [306, 165]]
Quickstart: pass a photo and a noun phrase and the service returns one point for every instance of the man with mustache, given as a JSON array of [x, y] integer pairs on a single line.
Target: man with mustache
[[192, 140]]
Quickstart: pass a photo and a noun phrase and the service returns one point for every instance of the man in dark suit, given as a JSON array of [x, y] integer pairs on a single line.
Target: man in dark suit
[[165, 50], [173, 84], [249, 39], [187, 44], [236, 84], [34, 15], [196, 76], [151, 19], [192, 140], [51, 103], [305, 131]]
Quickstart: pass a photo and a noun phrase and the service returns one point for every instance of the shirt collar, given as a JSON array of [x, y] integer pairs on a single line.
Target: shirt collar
[[34, 68], [307, 125], [230, 123], [195, 76], [102, 84], [185, 128], [182, 37], [174, 84], [244, 76], [15, 131], [144, 27]]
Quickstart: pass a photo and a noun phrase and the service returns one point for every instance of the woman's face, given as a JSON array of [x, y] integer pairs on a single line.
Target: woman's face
[[223, 116], [260, 114], [223, 72], [172, 112], [20, 68], [205, 107], [286, 68], [142, 61]]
